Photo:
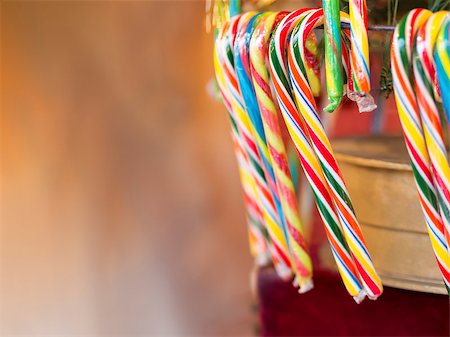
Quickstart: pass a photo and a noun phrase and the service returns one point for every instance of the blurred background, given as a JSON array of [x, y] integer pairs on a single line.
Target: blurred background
[[121, 206]]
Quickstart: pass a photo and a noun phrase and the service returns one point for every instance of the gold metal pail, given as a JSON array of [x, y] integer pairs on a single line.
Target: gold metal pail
[[380, 180]]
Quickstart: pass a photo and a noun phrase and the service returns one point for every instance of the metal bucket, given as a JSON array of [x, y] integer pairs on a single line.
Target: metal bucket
[[380, 180]]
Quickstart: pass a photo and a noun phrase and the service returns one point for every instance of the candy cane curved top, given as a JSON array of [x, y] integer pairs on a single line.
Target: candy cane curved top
[[401, 54], [425, 77], [309, 161], [322, 147]]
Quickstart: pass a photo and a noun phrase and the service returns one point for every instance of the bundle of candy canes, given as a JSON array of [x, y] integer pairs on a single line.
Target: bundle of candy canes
[[420, 62], [267, 64]]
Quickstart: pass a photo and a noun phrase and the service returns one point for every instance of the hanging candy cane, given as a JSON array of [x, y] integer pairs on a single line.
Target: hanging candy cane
[[257, 231], [360, 56], [405, 95], [308, 159], [300, 259], [322, 147], [269, 115], [242, 69], [278, 245], [425, 77]]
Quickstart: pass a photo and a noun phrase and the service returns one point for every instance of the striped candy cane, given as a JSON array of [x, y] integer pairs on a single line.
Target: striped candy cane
[[300, 259], [278, 244], [260, 186], [425, 77], [360, 57], [405, 95], [242, 68], [257, 232], [322, 147], [308, 158], [272, 131]]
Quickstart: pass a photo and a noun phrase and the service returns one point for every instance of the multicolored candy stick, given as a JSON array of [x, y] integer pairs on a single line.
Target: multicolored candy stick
[[258, 238], [442, 59], [225, 61], [242, 69], [273, 135], [308, 158], [280, 258], [333, 52], [360, 57], [322, 147], [287, 206], [257, 233], [408, 110], [425, 77]]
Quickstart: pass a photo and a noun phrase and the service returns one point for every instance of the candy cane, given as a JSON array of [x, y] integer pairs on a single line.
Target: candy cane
[[308, 159], [425, 77], [322, 147], [333, 51], [405, 96], [257, 233], [269, 114], [280, 259], [360, 56], [442, 59], [241, 64], [242, 68], [301, 261], [256, 228], [278, 244]]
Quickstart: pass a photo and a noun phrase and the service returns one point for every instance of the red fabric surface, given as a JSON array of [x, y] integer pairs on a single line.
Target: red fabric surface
[[328, 310]]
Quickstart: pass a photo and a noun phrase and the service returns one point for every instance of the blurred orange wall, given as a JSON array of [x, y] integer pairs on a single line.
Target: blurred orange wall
[[121, 206]]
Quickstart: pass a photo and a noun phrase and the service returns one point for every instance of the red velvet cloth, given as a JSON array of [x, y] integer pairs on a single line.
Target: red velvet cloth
[[328, 310]]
